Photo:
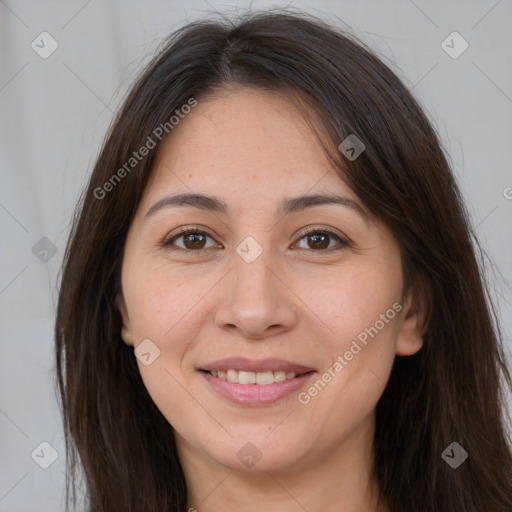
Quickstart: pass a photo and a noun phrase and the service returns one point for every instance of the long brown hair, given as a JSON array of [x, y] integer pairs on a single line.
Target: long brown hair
[[449, 391]]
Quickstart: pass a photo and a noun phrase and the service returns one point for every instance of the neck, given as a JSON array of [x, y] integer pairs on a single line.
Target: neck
[[338, 480]]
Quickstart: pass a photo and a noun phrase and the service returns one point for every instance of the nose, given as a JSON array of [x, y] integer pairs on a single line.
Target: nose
[[256, 300]]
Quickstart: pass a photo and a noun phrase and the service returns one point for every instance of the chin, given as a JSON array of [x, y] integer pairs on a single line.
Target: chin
[[259, 453]]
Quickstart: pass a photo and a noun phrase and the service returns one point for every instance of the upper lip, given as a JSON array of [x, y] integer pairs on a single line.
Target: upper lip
[[251, 365]]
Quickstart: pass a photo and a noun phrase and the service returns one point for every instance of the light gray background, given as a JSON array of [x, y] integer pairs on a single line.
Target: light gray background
[[54, 113]]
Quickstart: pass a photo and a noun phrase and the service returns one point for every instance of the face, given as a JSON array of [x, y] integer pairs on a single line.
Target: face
[[298, 300]]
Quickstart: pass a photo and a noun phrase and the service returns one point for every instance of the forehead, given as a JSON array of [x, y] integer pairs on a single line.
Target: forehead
[[245, 145]]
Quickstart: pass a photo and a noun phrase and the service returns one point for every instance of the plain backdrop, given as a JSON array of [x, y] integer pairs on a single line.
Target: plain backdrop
[[54, 113]]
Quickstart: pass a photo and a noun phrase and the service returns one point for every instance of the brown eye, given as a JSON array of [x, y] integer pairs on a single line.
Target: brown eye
[[192, 240], [320, 240]]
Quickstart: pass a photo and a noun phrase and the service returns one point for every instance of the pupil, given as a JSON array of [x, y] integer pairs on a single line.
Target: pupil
[[323, 243], [195, 239]]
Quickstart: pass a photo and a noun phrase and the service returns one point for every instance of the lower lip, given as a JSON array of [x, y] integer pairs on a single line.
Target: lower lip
[[255, 394]]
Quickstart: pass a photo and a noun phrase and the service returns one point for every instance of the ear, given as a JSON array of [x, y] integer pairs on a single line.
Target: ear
[[414, 320], [126, 331]]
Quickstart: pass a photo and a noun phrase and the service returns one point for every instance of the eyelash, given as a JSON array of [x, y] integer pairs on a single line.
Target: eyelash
[[168, 242]]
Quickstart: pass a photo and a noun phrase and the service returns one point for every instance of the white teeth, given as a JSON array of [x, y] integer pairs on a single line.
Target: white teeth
[[264, 377], [280, 376], [246, 377], [261, 378], [232, 376]]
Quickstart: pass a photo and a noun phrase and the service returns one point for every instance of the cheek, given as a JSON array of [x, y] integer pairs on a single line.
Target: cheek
[[162, 304], [361, 310], [351, 301], [168, 310], [163, 313]]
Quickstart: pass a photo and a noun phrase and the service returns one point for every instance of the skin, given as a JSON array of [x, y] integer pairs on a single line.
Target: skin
[[299, 301]]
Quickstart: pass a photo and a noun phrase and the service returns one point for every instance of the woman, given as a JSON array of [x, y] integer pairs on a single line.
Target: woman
[[270, 297]]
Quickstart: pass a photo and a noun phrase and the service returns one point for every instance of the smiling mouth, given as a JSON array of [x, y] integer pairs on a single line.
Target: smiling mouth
[[251, 378]]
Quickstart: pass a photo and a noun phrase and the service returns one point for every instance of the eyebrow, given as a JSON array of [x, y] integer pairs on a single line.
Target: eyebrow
[[288, 205]]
